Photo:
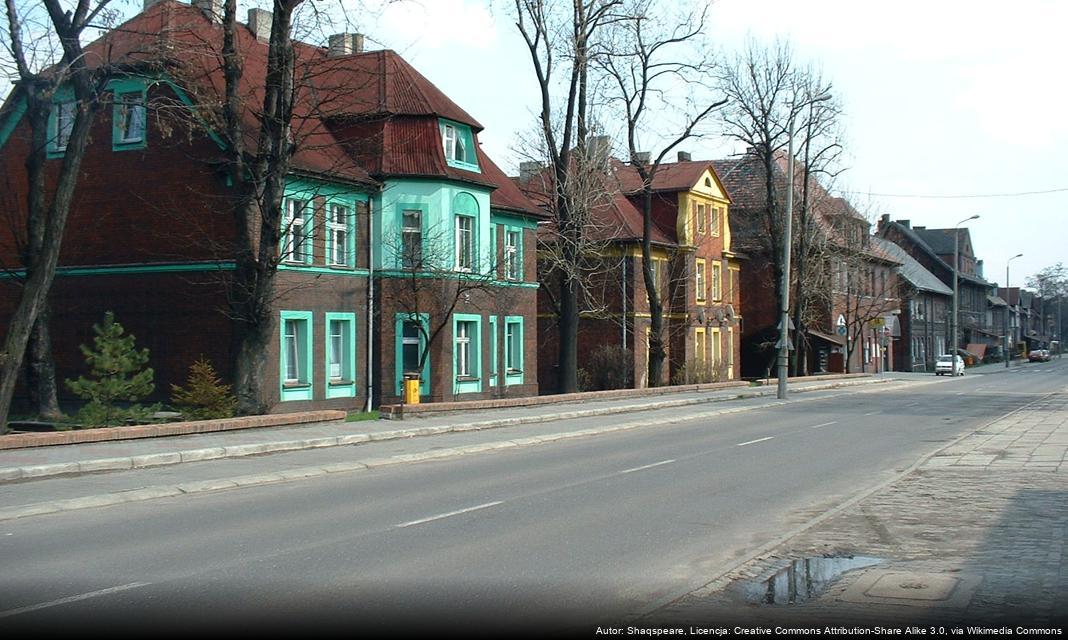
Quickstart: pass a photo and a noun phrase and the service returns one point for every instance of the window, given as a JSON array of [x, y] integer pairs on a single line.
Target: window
[[411, 238], [295, 245], [654, 268], [512, 266], [340, 355], [713, 225], [455, 148], [700, 348], [700, 280], [465, 353], [717, 274], [62, 125], [130, 114], [411, 347], [513, 346], [699, 215], [295, 366], [338, 224], [465, 243], [717, 350]]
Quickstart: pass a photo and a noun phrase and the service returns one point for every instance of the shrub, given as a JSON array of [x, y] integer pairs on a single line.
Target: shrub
[[611, 367], [117, 373], [204, 396]]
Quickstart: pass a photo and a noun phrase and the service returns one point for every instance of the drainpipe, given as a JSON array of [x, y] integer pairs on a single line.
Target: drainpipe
[[370, 304]]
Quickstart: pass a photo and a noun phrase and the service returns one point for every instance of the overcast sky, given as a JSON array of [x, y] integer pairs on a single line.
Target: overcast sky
[[942, 98], [947, 98]]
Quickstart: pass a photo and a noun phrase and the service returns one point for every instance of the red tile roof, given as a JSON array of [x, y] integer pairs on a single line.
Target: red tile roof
[[335, 96]]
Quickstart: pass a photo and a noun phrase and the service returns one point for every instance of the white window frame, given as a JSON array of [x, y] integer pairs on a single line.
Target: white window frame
[[465, 243], [416, 340], [511, 254], [714, 220], [132, 110], [339, 233], [699, 215], [63, 126], [699, 280], [295, 338], [717, 281], [293, 249], [463, 348], [453, 142], [338, 331]]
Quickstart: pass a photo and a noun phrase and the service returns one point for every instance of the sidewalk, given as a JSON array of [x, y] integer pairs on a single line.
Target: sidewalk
[[160, 475], [975, 534], [39, 462]]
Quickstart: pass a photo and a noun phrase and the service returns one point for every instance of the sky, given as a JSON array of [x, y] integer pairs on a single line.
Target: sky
[[947, 98], [942, 99]]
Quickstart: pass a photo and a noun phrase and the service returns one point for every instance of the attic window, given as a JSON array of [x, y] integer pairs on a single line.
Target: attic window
[[458, 144], [708, 182], [454, 145]]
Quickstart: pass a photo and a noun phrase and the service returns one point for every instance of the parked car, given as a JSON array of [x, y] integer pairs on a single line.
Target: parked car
[[1039, 355], [949, 365]]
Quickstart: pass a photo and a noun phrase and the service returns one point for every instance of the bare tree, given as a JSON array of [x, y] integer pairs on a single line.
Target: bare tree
[[47, 210], [437, 276], [770, 98], [561, 43], [651, 64], [867, 289]]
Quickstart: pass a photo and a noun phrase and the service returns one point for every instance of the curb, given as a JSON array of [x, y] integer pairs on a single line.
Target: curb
[[302, 473], [36, 472]]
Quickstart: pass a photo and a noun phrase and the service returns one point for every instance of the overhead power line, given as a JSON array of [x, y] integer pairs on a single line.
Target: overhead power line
[[959, 196]]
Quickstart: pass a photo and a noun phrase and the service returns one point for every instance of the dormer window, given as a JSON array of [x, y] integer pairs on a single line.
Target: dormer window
[[454, 145], [458, 143]]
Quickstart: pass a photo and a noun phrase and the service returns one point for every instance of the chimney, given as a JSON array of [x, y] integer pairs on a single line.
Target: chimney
[[148, 4], [259, 23], [599, 148], [527, 170], [904, 223], [641, 156], [919, 228], [884, 220], [343, 44], [212, 9], [684, 156], [979, 268]]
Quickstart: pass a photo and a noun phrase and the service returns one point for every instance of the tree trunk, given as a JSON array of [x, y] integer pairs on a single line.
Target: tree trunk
[[250, 364], [41, 370], [656, 308], [569, 324]]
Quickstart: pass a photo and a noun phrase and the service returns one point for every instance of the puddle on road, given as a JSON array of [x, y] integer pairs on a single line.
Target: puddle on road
[[804, 578]]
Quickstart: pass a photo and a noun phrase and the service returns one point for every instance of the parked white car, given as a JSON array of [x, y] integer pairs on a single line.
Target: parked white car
[[949, 365]]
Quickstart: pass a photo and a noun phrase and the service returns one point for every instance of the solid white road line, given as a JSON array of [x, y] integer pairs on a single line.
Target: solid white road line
[[449, 514], [648, 466], [825, 424], [871, 413], [68, 600], [755, 441]]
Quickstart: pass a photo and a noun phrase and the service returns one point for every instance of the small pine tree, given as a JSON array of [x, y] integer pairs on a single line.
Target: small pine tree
[[117, 373], [204, 395]]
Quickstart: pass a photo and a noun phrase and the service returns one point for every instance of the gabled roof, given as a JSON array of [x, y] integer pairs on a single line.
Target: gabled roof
[[914, 236], [670, 176], [911, 270]]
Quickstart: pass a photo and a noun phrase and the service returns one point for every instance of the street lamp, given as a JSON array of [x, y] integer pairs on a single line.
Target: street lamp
[[1008, 309], [956, 262]]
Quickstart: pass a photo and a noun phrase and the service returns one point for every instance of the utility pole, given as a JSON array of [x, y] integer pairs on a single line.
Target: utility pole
[[1008, 310], [784, 315]]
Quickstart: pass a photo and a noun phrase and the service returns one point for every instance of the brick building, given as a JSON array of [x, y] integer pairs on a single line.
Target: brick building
[[850, 303], [388, 186], [693, 264]]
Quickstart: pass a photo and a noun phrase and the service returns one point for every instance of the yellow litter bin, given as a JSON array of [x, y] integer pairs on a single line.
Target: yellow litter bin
[[411, 389]]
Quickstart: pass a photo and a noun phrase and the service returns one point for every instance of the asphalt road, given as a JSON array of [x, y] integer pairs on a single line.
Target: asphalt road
[[556, 537]]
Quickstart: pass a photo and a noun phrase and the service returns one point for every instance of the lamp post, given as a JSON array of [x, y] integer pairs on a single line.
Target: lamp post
[[1008, 310], [956, 262]]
